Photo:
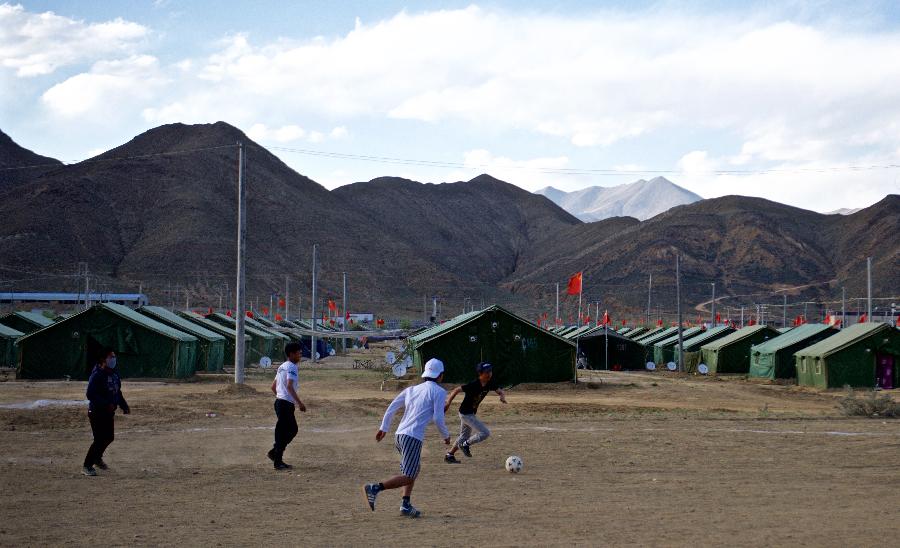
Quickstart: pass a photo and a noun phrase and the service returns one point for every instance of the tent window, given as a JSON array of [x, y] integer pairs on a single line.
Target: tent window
[[818, 368], [803, 366]]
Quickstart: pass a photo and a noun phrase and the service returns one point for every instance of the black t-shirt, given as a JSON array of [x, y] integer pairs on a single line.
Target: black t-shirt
[[475, 392]]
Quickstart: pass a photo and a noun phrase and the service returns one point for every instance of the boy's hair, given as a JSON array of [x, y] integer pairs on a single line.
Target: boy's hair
[[102, 354], [291, 347]]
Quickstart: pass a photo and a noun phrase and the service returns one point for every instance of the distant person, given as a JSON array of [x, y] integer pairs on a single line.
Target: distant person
[[285, 388], [104, 394], [422, 404], [475, 392]]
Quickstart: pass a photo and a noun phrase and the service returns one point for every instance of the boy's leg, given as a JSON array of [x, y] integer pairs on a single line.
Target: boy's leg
[[285, 429], [410, 450], [481, 431], [464, 432]]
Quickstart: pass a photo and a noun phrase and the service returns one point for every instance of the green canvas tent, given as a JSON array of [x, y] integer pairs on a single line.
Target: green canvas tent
[[26, 322], [861, 355], [144, 347], [519, 350], [211, 345], [731, 354], [774, 359], [229, 334], [623, 330], [579, 331], [692, 346], [8, 350], [562, 331], [263, 343], [265, 322], [610, 350], [663, 350], [281, 340]]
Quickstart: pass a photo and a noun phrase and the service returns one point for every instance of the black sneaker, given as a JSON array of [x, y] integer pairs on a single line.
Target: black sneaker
[[282, 466], [450, 459], [467, 451], [410, 511], [370, 490], [271, 455], [89, 471], [101, 465]]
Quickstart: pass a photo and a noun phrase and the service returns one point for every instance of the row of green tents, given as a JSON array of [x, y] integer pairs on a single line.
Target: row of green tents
[[150, 342]]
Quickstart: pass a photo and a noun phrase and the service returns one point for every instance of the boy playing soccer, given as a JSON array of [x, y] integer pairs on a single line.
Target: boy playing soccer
[[475, 392], [422, 404]]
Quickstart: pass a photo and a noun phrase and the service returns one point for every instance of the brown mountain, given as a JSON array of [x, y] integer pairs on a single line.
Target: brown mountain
[[161, 210], [18, 164], [749, 246]]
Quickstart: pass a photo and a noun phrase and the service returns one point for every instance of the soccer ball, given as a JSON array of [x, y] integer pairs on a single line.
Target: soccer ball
[[514, 464]]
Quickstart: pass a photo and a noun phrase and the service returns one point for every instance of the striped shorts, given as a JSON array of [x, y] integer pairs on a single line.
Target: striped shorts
[[410, 450]]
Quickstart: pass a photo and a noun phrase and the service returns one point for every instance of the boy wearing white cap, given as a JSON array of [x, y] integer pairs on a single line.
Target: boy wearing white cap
[[422, 404]]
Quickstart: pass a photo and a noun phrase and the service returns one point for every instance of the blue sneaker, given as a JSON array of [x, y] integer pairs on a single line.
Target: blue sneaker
[[371, 491], [410, 511]]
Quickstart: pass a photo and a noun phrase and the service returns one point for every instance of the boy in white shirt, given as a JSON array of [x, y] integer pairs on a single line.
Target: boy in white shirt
[[285, 389], [422, 404]]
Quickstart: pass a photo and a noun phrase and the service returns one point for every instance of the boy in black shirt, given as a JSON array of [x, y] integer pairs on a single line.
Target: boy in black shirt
[[475, 392]]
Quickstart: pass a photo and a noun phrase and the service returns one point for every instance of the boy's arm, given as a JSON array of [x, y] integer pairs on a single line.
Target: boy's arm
[[453, 394], [439, 421], [502, 395], [294, 395], [395, 406], [275, 380]]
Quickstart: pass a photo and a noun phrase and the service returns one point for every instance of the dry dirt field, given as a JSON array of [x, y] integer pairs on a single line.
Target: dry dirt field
[[640, 459]]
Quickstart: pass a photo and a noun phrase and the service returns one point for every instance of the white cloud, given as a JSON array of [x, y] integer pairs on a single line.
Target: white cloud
[[109, 87], [35, 44], [531, 173], [292, 133]]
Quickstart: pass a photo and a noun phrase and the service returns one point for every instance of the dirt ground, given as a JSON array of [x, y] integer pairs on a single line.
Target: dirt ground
[[625, 459]]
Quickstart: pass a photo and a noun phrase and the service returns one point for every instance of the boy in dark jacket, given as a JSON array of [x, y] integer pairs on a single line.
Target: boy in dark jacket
[[104, 392]]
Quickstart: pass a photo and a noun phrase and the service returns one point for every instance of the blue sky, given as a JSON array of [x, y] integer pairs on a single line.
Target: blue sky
[[781, 100]]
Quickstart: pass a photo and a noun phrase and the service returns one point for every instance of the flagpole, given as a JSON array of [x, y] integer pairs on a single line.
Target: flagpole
[[606, 336]]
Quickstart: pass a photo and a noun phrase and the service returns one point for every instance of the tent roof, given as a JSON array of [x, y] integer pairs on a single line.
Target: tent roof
[[786, 329], [9, 332], [30, 317], [595, 333], [247, 328], [685, 334], [463, 319], [187, 326], [128, 314], [658, 336], [263, 327], [737, 336], [211, 325], [795, 335], [708, 334], [844, 338], [580, 331]]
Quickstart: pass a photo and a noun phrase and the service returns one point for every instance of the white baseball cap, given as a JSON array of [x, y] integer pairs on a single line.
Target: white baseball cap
[[433, 368]]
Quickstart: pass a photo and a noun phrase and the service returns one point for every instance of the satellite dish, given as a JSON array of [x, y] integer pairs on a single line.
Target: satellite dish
[[390, 358], [265, 362], [332, 352], [672, 366], [399, 369], [407, 363], [651, 366], [318, 355], [703, 369]]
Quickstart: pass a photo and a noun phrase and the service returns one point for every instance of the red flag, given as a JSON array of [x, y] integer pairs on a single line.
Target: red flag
[[229, 314], [347, 316], [718, 318], [281, 303], [606, 320], [249, 313], [862, 319], [752, 321], [278, 317], [659, 322], [574, 285], [827, 318], [265, 310], [623, 323], [331, 322], [332, 306], [587, 320]]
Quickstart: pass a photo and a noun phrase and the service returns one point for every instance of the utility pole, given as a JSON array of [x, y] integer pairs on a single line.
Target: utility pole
[[240, 289], [712, 321], [425, 308], [271, 307], [434, 310], [83, 270], [742, 316], [287, 297], [784, 310], [649, 296], [869, 289], [312, 352], [843, 307], [187, 299], [678, 298], [344, 315], [556, 320]]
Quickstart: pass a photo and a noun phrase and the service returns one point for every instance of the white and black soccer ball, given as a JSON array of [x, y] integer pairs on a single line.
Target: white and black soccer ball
[[514, 464]]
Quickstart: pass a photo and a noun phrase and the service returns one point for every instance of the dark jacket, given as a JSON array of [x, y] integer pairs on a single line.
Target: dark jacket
[[104, 389]]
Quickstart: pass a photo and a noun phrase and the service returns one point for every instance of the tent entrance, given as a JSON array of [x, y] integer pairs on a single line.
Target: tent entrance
[[884, 371]]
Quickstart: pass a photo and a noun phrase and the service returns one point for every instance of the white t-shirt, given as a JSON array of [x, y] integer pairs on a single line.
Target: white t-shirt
[[287, 372], [421, 404]]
